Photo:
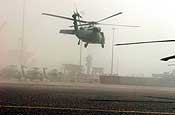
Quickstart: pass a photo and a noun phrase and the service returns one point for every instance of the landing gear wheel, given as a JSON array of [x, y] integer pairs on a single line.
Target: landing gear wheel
[[102, 45], [85, 45], [79, 42]]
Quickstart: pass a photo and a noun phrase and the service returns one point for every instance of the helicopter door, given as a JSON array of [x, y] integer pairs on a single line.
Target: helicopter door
[[83, 34]]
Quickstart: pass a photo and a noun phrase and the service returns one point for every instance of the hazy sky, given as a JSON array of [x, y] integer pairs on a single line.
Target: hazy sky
[[46, 47]]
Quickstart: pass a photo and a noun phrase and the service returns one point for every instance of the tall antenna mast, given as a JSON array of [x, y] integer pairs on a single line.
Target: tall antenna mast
[[23, 35], [112, 56]]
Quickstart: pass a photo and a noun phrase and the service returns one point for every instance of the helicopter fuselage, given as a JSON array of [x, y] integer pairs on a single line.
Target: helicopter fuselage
[[90, 36]]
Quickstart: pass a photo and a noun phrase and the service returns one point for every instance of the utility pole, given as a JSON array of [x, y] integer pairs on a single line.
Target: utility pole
[[21, 44], [81, 56], [80, 52], [117, 65], [22, 37], [112, 56], [113, 47]]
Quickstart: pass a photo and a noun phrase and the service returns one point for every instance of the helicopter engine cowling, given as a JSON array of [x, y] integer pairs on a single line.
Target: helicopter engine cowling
[[96, 29]]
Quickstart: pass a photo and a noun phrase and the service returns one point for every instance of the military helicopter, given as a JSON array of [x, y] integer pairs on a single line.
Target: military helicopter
[[145, 42], [86, 31]]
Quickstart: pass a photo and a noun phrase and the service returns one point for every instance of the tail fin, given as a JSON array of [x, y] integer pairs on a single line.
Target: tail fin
[[67, 31]]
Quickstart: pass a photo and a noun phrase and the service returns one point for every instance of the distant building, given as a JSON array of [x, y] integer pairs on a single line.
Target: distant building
[[10, 72], [97, 71], [72, 69], [165, 74]]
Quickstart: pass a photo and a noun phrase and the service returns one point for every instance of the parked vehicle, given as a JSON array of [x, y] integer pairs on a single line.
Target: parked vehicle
[[11, 72], [34, 73]]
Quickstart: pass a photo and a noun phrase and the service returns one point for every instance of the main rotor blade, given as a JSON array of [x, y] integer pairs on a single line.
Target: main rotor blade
[[133, 43], [117, 25], [168, 58], [109, 17], [64, 17], [58, 16], [107, 25]]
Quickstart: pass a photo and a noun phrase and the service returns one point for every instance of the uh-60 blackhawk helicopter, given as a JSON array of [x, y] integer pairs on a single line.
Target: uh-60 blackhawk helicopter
[[86, 31]]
